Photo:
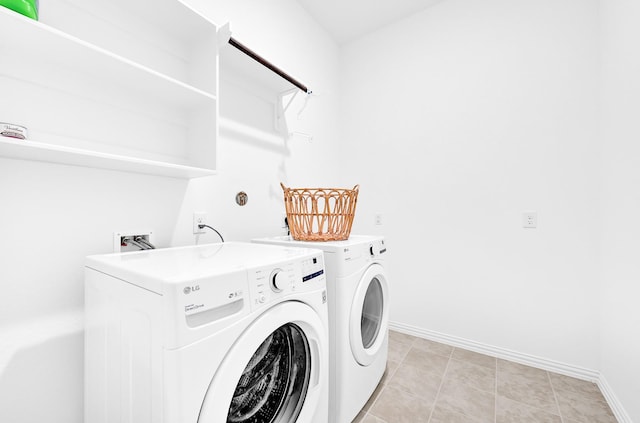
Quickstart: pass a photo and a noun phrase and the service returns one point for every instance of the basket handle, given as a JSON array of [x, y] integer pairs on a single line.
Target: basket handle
[[283, 187], [356, 187]]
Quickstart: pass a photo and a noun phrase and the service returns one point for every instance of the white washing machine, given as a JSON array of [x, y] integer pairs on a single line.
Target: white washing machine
[[232, 332], [358, 319]]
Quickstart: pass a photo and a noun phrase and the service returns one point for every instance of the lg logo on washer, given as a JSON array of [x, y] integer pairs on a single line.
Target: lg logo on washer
[[189, 289]]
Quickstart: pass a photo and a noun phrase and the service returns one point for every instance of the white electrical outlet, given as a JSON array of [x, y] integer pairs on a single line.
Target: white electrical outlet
[[377, 219], [529, 219], [199, 218]]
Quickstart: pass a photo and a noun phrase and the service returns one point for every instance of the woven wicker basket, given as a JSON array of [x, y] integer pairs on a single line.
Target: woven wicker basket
[[320, 214]]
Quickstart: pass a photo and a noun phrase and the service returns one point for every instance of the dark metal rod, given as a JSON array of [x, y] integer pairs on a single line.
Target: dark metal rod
[[255, 56]]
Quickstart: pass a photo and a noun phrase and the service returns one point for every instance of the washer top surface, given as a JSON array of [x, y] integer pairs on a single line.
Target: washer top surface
[[180, 264], [322, 245]]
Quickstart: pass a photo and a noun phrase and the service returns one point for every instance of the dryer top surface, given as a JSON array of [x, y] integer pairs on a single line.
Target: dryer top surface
[[330, 246], [175, 265]]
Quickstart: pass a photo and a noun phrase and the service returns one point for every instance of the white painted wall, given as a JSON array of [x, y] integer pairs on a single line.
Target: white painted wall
[[252, 155], [52, 216], [621, 202], [459, 118]]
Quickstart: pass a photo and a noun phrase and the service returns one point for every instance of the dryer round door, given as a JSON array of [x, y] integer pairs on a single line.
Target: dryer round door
[[369, 319], [272, 373]]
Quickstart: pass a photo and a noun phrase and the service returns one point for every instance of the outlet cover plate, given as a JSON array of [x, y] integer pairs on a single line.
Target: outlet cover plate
[[199, 218], [529, 219]]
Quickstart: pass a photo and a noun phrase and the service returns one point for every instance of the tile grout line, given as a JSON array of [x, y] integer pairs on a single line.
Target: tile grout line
[[444, 375], [555, 397], [384, 388], [406, 353], [369, 413], [384, 385]]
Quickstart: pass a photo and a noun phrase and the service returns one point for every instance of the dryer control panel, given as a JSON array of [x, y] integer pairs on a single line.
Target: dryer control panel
[[377, 248], [351, 258], [272, 283]]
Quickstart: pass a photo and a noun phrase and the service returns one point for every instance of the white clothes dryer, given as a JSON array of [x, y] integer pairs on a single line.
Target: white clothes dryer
[[232, 332], [358, 295]]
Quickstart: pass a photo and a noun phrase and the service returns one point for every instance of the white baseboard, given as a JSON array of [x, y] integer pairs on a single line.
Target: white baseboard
[[503, 353], [526, 359], [616, 406]]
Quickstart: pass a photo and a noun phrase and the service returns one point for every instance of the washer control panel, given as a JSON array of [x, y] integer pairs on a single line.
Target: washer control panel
[[269, 284], [277, 280], [312, 268]]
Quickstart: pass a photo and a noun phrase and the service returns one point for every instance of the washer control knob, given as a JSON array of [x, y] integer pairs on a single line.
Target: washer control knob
[[277, 280]]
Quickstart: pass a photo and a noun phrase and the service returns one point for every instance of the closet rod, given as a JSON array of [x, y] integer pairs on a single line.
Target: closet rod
[[246, 50]]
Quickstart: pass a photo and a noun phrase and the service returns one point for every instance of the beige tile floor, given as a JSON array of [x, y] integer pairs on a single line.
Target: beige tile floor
[[428, 382]]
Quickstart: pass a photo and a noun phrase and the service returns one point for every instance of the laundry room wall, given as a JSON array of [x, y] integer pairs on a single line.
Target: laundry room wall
[[253, 156], [458, 119], [621, 203], [52, 215]]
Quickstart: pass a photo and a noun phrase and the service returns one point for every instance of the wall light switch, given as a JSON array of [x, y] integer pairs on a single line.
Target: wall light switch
[[530, 219]]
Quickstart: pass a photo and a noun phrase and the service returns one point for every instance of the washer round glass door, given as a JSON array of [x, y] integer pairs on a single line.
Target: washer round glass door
[[272, 374], [369, 318], [274, 383]]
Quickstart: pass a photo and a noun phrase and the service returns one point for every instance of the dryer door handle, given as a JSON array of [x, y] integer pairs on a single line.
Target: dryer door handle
[[315, 367]]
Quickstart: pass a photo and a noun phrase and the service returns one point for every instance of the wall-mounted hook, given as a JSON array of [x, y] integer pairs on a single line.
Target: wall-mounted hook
[[242, 198]]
